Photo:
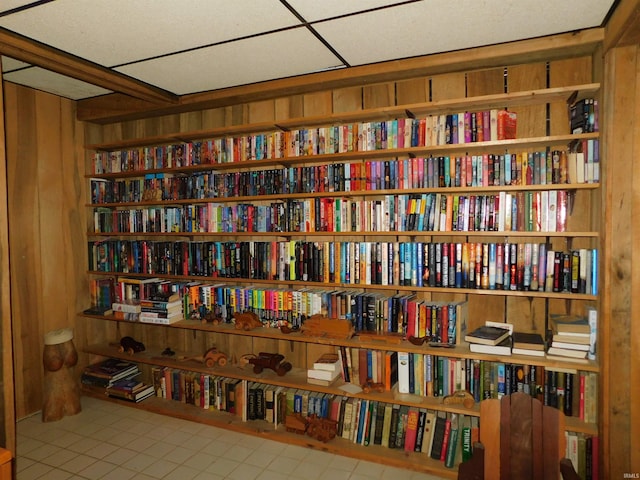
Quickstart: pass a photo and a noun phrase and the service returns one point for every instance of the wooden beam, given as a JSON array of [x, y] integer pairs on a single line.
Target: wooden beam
[[115, 108], [35, 53], [623, 28]]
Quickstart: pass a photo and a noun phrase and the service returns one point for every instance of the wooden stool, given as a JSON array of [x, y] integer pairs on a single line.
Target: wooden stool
[[61, 387]]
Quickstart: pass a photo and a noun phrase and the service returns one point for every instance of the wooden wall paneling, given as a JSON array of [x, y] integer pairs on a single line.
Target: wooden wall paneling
[[24, 239], [7, 401], [190, 121], [318, 103], [634, 330], [380, 95], [448, 86], [347, 99], [416, 90], [619, 299], [263, 111], [485, 82], [213, 117], [572, 71], [531, 119], [289, 107]]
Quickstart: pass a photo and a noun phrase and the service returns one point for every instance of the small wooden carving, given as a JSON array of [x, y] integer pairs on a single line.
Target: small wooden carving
[[322, 429], [130, 345], [274, 361], [370, 386], [460, 397], [296, 423], [321, 326], [213, 357], [246, 321]]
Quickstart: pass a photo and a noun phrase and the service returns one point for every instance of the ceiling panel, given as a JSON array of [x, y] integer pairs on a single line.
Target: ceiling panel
[[51, 82], [8, 5], [10, 64], [191, 46], [277, 55], [438, 26], [113, 32], [312, 10]]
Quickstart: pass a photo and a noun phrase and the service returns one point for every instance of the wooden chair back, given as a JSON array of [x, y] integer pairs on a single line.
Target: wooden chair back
[[520, 438]]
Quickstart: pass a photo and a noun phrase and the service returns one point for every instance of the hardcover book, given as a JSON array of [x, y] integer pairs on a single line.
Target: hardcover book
[[487, 335]]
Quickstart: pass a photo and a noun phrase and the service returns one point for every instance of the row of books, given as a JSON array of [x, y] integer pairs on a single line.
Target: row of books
[[539, 211], [572, 391], [487, 266], [366, 422], [582, 450], [483, 170], [442, 436], [465, 127]]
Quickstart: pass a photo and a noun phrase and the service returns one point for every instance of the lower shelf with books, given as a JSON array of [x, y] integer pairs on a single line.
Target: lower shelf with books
[[400, 457]]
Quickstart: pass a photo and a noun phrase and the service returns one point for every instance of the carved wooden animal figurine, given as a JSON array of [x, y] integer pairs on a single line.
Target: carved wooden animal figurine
[[321, 326], [246, 321], [130, 345]]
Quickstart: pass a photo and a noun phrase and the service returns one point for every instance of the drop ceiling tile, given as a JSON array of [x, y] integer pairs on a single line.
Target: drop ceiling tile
[[312, 10], [8, 5], [10, 64], [276, 55], [54, 83], [114, 32], [438, 26]]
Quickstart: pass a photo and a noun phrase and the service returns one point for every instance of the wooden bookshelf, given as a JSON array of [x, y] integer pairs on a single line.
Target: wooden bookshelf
[[528, 309]]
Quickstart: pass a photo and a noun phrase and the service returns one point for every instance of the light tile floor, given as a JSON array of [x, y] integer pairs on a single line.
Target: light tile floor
[[109, 441]]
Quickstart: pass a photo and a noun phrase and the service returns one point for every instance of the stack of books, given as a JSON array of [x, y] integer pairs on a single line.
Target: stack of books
[[130, 389], [571, 338], [492, 338], [164, 312], [525, 343], [107, 372], [326, 370]]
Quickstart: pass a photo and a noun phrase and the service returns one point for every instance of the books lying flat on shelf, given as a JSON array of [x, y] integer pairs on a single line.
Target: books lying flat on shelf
[[570, 346], [569, 324], [528, 341], [328, 361], [108, 371], [566, 352], [135, 395], [502, 348], [528, 344], [487, 335], [322, 374], [577, 338]]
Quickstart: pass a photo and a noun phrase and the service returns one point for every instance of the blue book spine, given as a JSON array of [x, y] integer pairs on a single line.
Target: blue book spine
[[594, 272], [361, 420], [420, 266]]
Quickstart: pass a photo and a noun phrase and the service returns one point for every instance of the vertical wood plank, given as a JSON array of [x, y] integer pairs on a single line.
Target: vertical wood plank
[[619, 304], [381, 95], [490, 436], [7, 402], [347, 99], [415, 90]]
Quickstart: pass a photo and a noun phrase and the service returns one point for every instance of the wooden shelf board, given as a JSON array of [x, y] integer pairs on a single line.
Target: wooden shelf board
[[483, 102]]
